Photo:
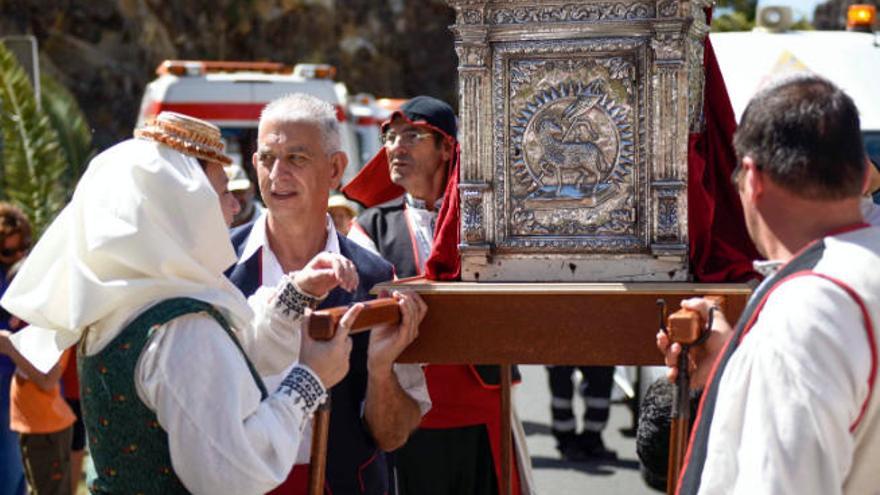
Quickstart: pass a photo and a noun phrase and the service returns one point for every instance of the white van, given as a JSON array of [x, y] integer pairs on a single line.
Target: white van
[[232, 94], [850, 59]]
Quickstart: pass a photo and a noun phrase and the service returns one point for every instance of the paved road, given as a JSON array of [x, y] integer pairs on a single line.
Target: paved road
[[554, 476]]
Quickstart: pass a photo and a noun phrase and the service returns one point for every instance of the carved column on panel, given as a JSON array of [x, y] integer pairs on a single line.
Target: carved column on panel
[[671, 128], [475, 168]]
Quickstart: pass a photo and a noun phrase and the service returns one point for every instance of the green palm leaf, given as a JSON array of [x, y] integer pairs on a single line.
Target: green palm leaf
[[74, 134], [33, 163]]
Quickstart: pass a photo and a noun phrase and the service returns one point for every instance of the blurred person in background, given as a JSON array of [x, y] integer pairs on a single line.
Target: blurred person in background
[[242, 189], [15, 239], [41, 417], [342, 211]]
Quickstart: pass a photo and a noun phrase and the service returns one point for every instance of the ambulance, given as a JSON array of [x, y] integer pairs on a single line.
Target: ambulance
[[232, 94], [850, 59]]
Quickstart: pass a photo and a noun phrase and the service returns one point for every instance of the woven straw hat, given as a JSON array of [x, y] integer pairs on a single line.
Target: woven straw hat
[[188, 135]]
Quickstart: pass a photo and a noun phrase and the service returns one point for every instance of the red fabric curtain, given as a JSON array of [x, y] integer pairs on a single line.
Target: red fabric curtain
[[720, 247]]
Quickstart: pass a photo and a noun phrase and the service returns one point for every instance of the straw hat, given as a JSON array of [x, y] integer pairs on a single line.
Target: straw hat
[[238, 179], [339, 201], [188, 135]]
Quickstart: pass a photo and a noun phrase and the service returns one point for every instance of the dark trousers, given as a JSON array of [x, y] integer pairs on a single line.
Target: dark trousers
[[46, 459], [596, 391], [454, 461]]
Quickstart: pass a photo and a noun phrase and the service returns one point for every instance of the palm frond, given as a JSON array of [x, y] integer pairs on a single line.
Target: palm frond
[[32, 164], [70, 123]]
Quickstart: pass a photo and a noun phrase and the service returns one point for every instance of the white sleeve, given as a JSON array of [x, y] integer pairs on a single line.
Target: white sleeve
[[411, 377], [222, 437], [789, 396], [273, 340]]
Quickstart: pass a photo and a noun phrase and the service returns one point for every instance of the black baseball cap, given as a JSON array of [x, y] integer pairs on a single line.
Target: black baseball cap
[[425, 110]]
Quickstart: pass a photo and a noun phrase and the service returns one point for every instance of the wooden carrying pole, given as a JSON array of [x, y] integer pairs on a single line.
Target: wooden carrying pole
[[686, 327], [322, 325]]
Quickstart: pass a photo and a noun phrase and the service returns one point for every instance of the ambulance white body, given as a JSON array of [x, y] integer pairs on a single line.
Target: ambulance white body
[[750, 59], [232, 94]]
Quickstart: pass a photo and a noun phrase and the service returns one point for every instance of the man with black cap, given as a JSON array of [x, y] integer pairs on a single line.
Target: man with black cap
[[453, 450]]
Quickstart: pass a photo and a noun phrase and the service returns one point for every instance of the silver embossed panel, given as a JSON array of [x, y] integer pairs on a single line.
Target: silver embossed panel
[[568, 174], [575, 119]]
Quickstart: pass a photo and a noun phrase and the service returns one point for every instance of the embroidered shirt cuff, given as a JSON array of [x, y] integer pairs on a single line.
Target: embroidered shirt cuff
[[292, 301], [304, 386]]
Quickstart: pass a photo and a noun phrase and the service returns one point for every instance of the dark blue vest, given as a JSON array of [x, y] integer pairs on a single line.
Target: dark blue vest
[[354, 463]]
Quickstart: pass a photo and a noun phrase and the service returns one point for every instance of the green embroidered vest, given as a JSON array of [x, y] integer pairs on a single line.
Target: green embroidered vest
[[128, 445]]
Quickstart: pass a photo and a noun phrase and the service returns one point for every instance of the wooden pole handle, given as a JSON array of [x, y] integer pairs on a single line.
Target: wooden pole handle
[[685, 326], [318, 459], [322, 324]]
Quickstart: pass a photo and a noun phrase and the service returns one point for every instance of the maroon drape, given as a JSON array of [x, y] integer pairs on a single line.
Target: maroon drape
[[720, 247], [444, 262]]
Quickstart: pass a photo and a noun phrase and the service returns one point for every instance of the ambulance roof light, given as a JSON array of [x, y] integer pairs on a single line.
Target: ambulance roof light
[[202, 67], [861, 17], [314, 71]]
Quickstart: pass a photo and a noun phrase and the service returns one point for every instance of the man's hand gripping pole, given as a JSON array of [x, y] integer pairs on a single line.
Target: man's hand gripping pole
[[322, 325], [687, 328]]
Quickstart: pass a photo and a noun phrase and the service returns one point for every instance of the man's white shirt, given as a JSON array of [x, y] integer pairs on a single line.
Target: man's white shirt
[[410, 376]]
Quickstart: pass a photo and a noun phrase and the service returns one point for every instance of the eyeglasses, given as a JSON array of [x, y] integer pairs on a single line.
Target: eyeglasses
[[408, 137]]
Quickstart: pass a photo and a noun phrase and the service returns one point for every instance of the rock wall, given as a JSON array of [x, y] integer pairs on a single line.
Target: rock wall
[[105, 51]]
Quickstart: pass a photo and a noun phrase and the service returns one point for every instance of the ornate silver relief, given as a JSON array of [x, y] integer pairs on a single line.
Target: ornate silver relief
[[470, 16], [668, 46], [472, 213], [575, 118], [571, 144], [667, 8], [572, 12], [472, 56]]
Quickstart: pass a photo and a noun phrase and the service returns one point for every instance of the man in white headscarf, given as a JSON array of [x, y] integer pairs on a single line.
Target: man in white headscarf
[[132, 269]]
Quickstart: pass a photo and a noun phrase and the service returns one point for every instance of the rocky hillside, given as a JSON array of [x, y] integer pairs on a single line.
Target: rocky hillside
[[105, 51]]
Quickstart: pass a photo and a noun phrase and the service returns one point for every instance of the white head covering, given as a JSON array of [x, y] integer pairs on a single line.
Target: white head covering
[[144, 225]]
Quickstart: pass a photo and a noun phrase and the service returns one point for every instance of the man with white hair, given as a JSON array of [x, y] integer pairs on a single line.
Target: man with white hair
[[298, 161]]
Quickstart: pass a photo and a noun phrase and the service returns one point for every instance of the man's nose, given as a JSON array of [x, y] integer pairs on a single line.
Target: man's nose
[[396, 147], [275, 169]]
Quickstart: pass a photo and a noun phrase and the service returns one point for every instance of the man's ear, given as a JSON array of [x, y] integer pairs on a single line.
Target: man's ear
[[338, 162], [871, 182], [446, 150], [754, 180]]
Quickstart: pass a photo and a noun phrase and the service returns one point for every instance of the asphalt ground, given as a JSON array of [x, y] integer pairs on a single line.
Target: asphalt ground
[[556, 476]]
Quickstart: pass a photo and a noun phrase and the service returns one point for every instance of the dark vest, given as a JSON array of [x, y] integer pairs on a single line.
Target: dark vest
[[692, 472], [387, 226], [354, 463], [127, 444]]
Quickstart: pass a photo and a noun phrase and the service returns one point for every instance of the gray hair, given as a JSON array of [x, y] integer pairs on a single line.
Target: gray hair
[[303, 108]]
